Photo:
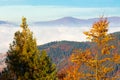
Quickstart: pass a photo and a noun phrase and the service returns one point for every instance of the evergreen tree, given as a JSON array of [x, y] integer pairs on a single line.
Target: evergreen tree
[[25, 61], [48, 70]]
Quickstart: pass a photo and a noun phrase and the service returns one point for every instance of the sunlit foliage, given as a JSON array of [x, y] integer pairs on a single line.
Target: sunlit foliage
[[100, 62]]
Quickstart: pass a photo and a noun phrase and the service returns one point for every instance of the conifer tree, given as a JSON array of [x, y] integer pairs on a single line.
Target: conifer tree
[[48, 70], [25, 61]]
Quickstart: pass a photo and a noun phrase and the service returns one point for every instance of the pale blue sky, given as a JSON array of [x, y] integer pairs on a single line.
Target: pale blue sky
[[40, 10], [77, 3]]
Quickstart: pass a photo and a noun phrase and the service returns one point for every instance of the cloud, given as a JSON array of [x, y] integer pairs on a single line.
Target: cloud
[[46, 34], [6, 36], [42, 34]]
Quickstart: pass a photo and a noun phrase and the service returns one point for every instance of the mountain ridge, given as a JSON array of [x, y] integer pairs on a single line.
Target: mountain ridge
[[7, 23], [71, 21], [61, 50]]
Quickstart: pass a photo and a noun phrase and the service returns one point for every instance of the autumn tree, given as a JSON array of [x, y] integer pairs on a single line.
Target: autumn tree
[[25, 61], [100, 62], [69, 72], [82, 59]]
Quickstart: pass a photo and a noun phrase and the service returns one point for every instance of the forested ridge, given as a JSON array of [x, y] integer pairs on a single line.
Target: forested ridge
[[59, 51]]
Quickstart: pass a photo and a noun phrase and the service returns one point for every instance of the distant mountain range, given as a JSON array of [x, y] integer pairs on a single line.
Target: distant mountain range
[[69, 22], [75, 22], [6, 23], [3, 22]]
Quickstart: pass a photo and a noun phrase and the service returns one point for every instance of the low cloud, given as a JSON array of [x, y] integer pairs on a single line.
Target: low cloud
[[46, 34], [42, 34]]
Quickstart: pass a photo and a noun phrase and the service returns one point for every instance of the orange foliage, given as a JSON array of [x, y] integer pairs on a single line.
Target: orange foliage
[[95, 64], [70, 72]]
